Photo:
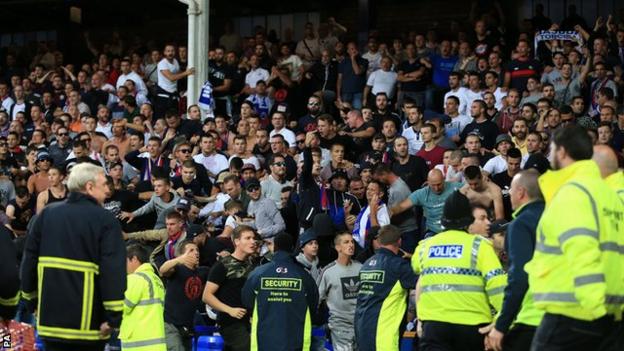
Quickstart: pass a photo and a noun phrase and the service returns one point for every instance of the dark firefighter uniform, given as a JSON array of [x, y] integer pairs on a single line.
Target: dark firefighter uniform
[[382, 301], [75, 267], [283, 297], [9, 276]]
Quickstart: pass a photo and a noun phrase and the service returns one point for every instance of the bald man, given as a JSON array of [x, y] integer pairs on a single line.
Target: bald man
[[607, 161], [431, 198]]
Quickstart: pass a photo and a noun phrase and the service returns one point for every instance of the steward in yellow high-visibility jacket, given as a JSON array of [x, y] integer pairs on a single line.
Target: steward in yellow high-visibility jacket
[[461, 280], [608, 163], [576, 274], [143, 325]]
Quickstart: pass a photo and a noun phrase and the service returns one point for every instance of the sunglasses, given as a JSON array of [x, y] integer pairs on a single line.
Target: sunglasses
[[300, 141], [62, 134], [314, 104], [253, 188], [185, 151], [280, 164], [4, 144]]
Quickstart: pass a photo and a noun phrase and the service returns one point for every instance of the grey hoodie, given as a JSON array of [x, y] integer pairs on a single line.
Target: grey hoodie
[[311, 267]]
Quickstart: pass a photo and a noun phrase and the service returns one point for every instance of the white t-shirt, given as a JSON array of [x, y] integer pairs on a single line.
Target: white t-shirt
[[498, 164], [382, 217], [457, 125], [293, 62], [255, 75], [288, 135], [374, 61], [460, 93], [213, 163], [414, 140], [163, 82], [17, 108], [138, 82], [382, 82], [471, 96], [215, 206], [499, 95], [7, 103]]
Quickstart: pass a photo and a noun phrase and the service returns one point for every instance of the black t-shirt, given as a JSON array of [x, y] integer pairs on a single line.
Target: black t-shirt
[[7, 164], [238, 78], [217, 74], [22, 215], [488, 131], [184, 295], [417, 86], [194, 186], [503, 180], [127, 201], [230, 275], [520, 71], [414, 172], [362, 144]]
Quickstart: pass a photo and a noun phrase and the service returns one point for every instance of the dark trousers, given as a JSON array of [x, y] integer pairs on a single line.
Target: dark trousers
[[558, 332], [62, 346], [164, 101], [440, 336], [236, 337], [519, 338]]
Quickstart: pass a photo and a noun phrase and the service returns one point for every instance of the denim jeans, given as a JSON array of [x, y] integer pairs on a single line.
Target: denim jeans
[[355, 99]]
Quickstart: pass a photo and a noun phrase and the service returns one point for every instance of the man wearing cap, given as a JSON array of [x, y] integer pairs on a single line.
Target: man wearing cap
[[498, 163], [39, 181], [248, 172], [283, 297], [269, 221], [385, 279], [461, 280], [515, 325]]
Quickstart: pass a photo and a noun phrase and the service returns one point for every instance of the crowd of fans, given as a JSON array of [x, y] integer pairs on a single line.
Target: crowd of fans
[[314, 138]]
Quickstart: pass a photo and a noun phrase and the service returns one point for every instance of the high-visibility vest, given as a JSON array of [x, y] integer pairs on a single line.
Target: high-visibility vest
[[616, 182], [460, 278], [577, 269], [143, 325]]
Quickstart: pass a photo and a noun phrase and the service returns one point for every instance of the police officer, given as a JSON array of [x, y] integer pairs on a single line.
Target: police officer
[[460, 278], [283, 297], [385, 279], [576, 273], [143, 325]]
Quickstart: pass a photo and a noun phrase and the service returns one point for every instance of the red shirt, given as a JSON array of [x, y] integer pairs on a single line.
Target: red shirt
[[433, 157]]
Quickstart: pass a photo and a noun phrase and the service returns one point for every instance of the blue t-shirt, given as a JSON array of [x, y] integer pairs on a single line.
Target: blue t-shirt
[[433, 204], [442, 67], [352, 83]]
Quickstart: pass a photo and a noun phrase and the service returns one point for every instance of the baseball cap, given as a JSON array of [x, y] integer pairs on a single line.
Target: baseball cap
[[248, 166], [183, 204], [253, 182], [222, 177], [43, 155]]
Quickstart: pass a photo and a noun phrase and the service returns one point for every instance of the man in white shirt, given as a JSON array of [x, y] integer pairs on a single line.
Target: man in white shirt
[[458, 121], [412, 133], [498, 163], [5, 98], [240, 150], [373, 56], [126, 74], [382, 80], [278, 120], [474, 91], [168, 75], [103, 125], [255, 74], [458, 91], [491, 84], [213, 161]]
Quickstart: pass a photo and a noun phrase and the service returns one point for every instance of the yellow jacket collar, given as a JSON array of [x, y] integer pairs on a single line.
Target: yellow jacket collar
[[551, 181], [616, 180], [145, 267]]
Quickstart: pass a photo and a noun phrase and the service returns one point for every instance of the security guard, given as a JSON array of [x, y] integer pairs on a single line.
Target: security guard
[[576, 273], [607, 161], [9, 275], [143, 325], [460, 278], [385, 279], [283, 297], [74, 266]]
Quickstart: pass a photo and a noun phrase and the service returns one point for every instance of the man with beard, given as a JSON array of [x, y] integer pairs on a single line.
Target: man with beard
[[536, 158], [273, 184], [326, 128], [308, 122], [482, 125], [383, 112], [168, 74], [220, 76], [519, 132], [412, 169]]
